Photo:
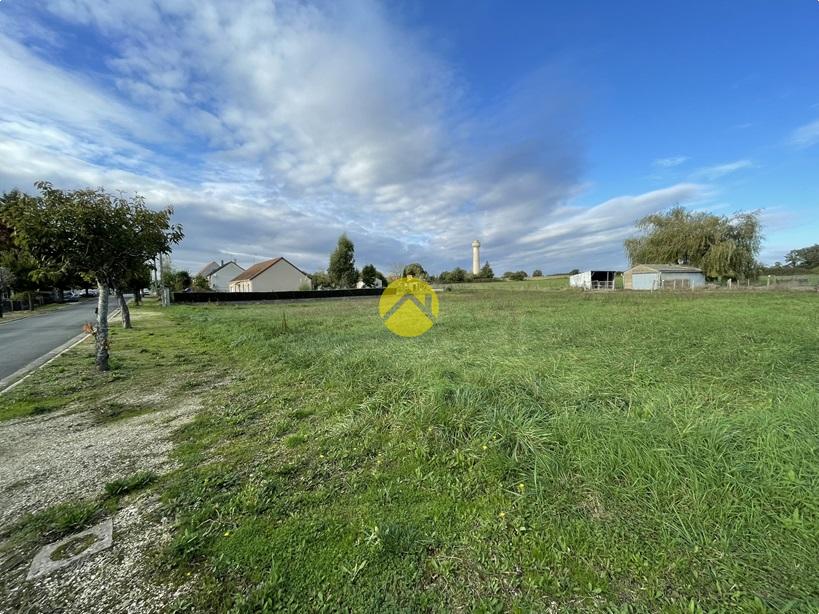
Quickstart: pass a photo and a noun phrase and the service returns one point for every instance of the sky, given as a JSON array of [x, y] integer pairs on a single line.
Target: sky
[[545, 130]]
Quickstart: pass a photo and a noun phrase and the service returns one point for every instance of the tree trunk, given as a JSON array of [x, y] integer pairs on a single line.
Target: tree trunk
[[137, 296], [102, 327], [126, 313]]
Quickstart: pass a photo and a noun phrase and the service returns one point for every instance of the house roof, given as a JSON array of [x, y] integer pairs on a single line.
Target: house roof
[[260, 267], [664, 268], [213, 267], [208, 269], [223, 265]]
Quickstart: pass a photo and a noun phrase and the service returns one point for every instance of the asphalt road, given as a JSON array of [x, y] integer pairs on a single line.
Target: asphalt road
[[26, 339]]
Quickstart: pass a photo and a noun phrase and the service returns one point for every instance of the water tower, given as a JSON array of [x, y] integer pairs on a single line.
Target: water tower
[[476, 257]]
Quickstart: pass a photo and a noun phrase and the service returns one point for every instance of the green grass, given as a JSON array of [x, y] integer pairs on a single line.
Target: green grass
[[132, 483], [31, 405], [152, 361], [620, 451]]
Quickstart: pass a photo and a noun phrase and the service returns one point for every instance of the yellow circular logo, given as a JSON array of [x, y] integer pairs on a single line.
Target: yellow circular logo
[[408, 307]]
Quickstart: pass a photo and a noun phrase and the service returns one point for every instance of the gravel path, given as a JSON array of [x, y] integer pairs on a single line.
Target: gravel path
[[67, 455], [70, 455]]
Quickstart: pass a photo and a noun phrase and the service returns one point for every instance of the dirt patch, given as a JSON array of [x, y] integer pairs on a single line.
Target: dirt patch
[[68, 455]]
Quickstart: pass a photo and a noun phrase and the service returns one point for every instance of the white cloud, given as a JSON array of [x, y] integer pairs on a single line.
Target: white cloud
[[275, 126], [721, 170], [670, 162], [806, 135]]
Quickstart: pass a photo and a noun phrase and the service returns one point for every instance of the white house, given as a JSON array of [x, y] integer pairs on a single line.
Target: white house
[[220, 275], [360, 284], [276, 275]]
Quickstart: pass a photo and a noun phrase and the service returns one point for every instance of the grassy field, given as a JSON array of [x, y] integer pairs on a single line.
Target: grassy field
[[533, 451]]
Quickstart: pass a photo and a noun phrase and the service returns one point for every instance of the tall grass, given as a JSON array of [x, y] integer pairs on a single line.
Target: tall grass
[[533, 450]]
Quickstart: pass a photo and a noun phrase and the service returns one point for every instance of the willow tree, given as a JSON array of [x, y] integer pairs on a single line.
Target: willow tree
[[102, 237], [721, 246]]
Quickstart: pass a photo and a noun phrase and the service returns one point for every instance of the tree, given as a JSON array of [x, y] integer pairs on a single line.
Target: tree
[[720, 246], [183, 280], [12, 256], [456, 275], [805, 258], [201, 283], [134, 280], [369, 275], [574, 271], [6, 282], [416, 270], [92, 233], [321, 280], [486, 271], [537, 273], [168, 279], [342, 269]]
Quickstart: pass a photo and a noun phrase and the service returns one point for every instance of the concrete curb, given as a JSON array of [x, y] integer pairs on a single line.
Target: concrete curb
[[10, 381]]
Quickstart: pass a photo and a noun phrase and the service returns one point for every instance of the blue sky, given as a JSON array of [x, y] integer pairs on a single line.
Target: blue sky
[[543, 129]]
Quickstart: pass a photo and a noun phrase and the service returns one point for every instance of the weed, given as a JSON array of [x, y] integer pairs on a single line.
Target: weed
[[123, 486]]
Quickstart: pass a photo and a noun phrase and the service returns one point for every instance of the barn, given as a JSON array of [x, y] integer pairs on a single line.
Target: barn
[[663, 276], [593, 280]]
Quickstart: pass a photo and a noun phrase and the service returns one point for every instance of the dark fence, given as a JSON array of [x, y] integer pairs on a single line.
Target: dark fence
[[291, 295]]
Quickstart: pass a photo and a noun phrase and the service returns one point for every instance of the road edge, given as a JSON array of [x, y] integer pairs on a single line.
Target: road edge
[[11, 381]]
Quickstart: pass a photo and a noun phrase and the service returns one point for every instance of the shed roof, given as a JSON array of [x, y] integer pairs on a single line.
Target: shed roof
[[260, 267], [664, 268]]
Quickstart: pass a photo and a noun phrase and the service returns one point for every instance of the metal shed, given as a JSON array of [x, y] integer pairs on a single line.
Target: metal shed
[[593, 280], [663, 276]]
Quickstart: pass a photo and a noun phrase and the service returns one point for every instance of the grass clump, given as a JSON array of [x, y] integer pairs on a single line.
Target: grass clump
[[57, 521], [30, 406], [132, 483]]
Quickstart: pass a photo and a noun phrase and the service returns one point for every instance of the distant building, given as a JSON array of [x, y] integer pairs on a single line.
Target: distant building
[[276, 275], [220, 275], [593, 280], [377, 284], [663, 276]]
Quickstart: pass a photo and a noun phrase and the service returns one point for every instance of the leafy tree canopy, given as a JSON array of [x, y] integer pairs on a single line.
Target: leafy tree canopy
[[342, 271], [805, 258], [719, 245], [486, 271], [88, 232], [455, 276], [416, 270], [200, 282], [369, 275], [102, 237]]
